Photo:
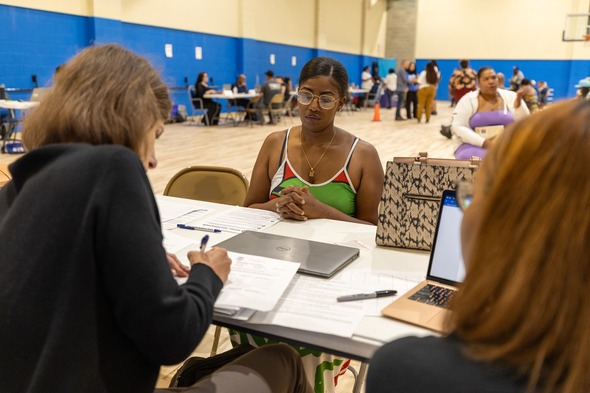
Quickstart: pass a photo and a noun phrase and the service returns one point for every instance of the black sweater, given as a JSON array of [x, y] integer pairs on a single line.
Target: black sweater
[[87, 300], [433, 364]]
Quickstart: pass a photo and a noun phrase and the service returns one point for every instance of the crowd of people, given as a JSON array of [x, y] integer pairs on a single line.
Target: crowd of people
[[72, 299]]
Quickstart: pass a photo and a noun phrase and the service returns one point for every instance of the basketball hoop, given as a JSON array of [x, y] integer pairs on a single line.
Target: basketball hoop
[[586, 37]]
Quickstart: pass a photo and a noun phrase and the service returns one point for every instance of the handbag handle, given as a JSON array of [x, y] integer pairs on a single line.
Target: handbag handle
[[422, 159]]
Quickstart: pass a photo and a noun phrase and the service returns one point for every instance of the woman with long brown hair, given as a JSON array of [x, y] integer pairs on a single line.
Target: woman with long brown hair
[[427, 81], [87, 300], [521, 319]]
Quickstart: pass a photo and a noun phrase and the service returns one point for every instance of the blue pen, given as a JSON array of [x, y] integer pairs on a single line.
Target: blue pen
[[202, 229], [204, 241]]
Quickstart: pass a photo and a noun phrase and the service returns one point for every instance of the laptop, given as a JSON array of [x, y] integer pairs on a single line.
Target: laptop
[[318, 259], [426, 304]]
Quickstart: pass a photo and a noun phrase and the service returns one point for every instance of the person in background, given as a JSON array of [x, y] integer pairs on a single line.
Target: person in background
[[374, 94], [452, 88], [484, 107], [317, 170], [291, 102], [543, 94], [583, 87], [519, 321], [288, 87], [516, 79], [412, 93], [93, 307], [268, 90], [529, 95], [366, 79], [501, 80], [390, 86], [400, 90], [239, 86], [427, 81], [367, 82], [435, 64], [463, 80], [213, 108]]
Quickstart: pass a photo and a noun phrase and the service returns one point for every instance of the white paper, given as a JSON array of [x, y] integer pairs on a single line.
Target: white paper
[[174, 243], [255, 282], [168, 50], [239, 219], [310, 304], [172, 213]]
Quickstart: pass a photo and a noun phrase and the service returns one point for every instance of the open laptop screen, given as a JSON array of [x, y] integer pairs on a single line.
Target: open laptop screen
[[446, 260]]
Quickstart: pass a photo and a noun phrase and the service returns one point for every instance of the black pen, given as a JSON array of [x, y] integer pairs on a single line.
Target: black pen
[[371, 295]]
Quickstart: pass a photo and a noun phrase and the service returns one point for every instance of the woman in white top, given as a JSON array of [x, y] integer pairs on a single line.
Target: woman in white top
[[482, 109]]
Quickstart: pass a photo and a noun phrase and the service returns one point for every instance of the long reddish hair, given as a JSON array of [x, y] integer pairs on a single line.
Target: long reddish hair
[[524, 302]]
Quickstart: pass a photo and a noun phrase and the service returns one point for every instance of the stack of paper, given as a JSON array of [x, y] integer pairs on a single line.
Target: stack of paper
[[254, 284]]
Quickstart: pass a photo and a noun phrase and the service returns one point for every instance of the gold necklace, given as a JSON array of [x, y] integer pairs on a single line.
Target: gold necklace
[[312, 167]]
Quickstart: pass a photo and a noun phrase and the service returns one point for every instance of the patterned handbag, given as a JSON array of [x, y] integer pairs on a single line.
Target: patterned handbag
[[411, 194]]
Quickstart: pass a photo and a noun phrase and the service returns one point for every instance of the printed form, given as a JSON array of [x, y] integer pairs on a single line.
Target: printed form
[[239, 219], [172, 213]]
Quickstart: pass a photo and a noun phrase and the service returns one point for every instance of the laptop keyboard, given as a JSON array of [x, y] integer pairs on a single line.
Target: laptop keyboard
[[434, 295]]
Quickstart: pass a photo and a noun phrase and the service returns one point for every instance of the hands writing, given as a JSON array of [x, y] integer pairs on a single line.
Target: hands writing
[[216, 258], [298, 203]]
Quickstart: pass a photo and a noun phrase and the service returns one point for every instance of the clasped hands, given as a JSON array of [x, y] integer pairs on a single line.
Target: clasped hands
[[298, 203]]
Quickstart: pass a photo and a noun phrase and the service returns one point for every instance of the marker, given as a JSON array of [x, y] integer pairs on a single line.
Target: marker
[[361, 296], [204, 242], [182, 226]]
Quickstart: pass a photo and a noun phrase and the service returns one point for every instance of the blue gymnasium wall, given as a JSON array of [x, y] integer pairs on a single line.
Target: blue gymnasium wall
[[36, 42], [561, 75]]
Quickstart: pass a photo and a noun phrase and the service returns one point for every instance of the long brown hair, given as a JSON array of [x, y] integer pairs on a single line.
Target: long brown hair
[[524, 301], [104, 95]]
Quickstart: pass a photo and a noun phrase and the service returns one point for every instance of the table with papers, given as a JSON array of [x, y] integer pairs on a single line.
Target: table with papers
[[230, 99], [307, 313]]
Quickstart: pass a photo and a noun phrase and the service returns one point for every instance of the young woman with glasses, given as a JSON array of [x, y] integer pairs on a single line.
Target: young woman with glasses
[[317, 170], [521, 318]]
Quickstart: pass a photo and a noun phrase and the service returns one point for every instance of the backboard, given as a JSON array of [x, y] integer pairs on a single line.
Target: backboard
[[576, 27]]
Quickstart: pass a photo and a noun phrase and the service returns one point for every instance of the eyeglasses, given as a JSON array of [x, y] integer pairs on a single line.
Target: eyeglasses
[[325, 101], [464, 194]]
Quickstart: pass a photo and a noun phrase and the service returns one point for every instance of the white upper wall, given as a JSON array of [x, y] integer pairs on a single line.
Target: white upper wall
[[335, 25], [75, 7], [499, 29]]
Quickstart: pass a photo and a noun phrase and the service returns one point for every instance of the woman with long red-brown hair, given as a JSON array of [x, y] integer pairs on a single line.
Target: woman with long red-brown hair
[[521, 319]]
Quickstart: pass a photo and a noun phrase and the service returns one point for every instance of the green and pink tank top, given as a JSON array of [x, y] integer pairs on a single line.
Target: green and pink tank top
[[337, 192]]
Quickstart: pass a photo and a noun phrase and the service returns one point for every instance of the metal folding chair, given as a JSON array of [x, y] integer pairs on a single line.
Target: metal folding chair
[[199, 111], [211, 184]]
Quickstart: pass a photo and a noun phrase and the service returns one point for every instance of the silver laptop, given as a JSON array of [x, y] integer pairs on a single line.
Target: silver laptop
[[318, 259], [426, 304]]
